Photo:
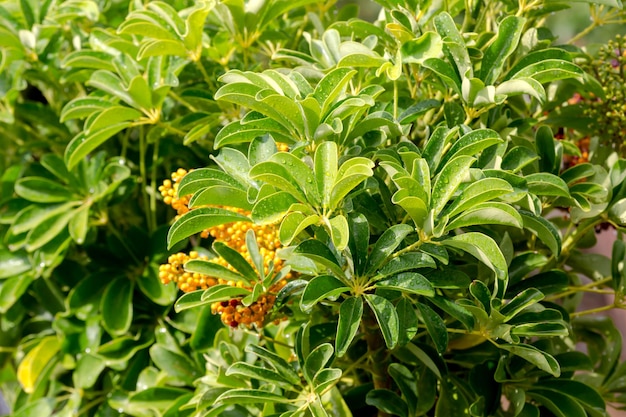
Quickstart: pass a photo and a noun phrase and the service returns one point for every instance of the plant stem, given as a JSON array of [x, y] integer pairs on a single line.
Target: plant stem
[[144, 178], [153, 184], [597, 310]]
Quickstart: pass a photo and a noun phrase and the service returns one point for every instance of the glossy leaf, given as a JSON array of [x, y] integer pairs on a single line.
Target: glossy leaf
[[387, 244], [35, 361], [276, 362], [487, 213], [387, 401], [213, 269], [320, 288], [406, 262], [42, 190], [486, 250], [537, 357], [478, 192], [505, 43], [448, 181], [116, 306], [198, 220], [544, 230], [435, 326], [272, 208], [387, 318], [317, 360], [408, 282], [175, 364], [249, 371]]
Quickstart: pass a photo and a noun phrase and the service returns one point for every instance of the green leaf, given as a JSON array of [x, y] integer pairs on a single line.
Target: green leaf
[[326, 378], [544, 142], [85, 142], [198, 220], [350, 314], [319, 288], [505, 43], [316, 361], [79, 224], [472, 144], [522, 85], [549, 70], [212, 269], [408, 282], [236, 260], [276, 362], [320, 253], [42, 190], [13, 263], [351, 173], [272, 208], [559, 404], [249, 371], [250, 396], [174, 364], [415, 51], [387, 401], [202, 178], [451, 401], [453, 44], [448, 180], [455, 310], [116, 306], [537, 357], [82, 107], [406, 262], [48, 230], [152, 287], [339, 232], [446, 72], [88, 369], [293, 224], [517, 158], [386, 245], [325, 170], [189, 300], [435, 326], [546, 184], [407, 382], [359, 241], [477, 192], [331, 86], [487, 251], [278, 175], [521, 301], [581, 392], [387, 318], [226, 196], [40, 407], [545, 230], [487, 213], [407, 321], [222, 292]]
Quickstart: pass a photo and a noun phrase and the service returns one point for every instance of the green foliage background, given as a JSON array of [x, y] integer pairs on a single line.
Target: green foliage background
[[425, 203]]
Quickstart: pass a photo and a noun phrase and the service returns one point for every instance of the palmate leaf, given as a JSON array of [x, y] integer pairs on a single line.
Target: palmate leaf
[[448, 181], [201, 178], [275, 361], [477, 192], [545, 230], [471, 144], [487, 213], [453, 44]]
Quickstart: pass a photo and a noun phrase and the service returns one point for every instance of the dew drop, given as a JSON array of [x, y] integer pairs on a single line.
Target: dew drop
[[87, 350], [162, 330]]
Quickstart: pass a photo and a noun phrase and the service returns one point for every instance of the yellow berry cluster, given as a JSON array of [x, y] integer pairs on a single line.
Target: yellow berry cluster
[[169, 190], [232, 312], [173, 271]]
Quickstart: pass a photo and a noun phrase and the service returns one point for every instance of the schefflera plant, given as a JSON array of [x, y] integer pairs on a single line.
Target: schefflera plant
[[414, 290]]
